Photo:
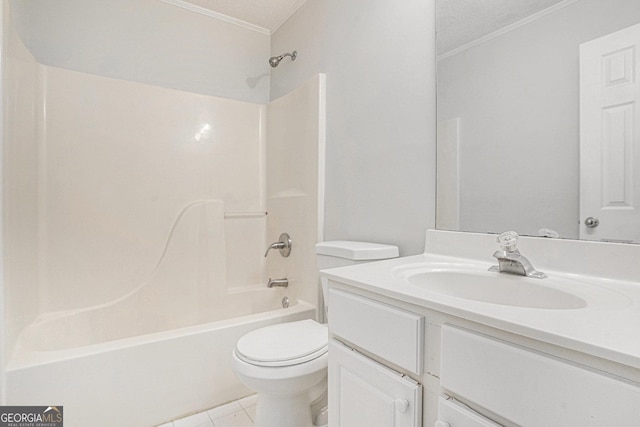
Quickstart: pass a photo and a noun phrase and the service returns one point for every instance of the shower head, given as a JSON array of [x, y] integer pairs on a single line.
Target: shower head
[[275, 60]]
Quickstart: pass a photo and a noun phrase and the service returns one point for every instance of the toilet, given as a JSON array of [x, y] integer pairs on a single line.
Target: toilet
[[286, 364]]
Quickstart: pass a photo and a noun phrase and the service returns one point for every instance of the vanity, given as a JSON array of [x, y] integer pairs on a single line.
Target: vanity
[[439, 340]]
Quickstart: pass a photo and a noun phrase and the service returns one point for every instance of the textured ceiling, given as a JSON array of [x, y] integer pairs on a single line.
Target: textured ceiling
[[268, 14], [462, 21]]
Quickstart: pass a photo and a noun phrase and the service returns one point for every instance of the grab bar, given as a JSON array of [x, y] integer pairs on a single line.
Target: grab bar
[[256, 214]]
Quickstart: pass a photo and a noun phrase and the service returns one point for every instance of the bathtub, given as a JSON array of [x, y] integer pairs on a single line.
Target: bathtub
[[139, 380]]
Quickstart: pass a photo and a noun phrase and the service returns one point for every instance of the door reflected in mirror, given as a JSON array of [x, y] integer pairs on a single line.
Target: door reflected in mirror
[[514, 118]]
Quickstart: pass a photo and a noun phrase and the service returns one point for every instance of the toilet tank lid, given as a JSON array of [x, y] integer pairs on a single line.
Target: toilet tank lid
[[357, 251]]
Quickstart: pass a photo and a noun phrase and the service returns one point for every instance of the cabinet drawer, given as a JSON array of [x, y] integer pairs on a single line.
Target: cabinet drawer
[[455, 414], [531, 388], [394, 334]]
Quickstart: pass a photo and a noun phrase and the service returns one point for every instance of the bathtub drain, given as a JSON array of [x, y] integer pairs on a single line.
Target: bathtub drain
[[285, 302]]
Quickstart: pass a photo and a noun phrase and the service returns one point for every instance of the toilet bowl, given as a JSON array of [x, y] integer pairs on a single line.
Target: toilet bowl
[[286, 364]]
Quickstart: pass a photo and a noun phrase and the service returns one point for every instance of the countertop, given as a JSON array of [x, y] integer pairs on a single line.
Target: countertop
[[608, 327]]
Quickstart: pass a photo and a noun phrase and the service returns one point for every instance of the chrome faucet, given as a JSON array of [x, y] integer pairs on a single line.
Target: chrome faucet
[[510, 260], [283, 244], [281, 283]]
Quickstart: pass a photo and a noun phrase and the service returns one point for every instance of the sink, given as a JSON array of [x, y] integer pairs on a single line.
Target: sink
[[497, 288]]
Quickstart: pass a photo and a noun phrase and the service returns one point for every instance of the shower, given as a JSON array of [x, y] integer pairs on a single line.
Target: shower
[[275, 60]]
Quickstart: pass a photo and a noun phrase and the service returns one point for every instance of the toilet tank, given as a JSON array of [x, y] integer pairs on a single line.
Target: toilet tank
[[341, 253]]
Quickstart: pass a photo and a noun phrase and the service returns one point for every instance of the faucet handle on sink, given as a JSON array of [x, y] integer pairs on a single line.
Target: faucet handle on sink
[[508, 241], [510, 260]]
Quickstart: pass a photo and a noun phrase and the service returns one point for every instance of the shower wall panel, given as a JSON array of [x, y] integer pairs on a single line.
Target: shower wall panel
[[295, 183], [20, 184], [122, 160]]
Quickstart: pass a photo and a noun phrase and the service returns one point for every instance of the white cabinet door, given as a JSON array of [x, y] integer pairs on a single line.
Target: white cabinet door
[[364, 393]]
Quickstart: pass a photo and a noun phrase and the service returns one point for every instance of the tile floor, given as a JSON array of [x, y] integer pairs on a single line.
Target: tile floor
[[239, 413]]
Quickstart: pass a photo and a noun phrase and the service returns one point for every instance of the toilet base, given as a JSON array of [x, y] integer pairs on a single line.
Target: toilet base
[[283, 411], [291, 410]]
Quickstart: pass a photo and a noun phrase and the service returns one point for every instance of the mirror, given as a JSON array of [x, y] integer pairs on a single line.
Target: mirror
[[509, 117]]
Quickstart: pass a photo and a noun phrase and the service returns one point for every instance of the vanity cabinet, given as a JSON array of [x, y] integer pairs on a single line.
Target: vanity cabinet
[[393, 363]]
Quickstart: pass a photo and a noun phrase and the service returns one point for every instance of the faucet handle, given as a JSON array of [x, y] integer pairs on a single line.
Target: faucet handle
[[508, 241], [283, 244]]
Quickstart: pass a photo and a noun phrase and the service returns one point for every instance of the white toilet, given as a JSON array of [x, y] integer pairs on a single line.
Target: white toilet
[[286, 364]]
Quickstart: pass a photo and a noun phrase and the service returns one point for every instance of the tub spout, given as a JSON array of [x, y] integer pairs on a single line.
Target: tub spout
[[281, 283]]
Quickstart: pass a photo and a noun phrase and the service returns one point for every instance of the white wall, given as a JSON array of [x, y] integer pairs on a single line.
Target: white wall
[[147, 41], [379, 60], [517, 99]]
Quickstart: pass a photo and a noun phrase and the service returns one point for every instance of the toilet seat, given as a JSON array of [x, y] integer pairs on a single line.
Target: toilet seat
[[284, 344]]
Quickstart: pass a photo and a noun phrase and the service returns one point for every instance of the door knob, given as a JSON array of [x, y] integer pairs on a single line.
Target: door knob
[[402, 405], [591, 222]]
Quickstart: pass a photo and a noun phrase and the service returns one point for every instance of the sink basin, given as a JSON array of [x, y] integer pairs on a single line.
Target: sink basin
[[497, 288]]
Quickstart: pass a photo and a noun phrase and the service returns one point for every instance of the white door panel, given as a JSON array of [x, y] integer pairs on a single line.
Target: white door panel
[[610, 137]]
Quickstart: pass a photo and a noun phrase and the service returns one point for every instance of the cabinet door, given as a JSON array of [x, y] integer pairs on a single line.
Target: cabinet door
[[364, 393]]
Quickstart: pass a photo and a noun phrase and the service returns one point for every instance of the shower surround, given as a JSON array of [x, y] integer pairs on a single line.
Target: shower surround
[[135, 225]]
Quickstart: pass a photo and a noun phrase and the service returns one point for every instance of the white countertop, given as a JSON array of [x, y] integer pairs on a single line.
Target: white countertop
[[608, 327]]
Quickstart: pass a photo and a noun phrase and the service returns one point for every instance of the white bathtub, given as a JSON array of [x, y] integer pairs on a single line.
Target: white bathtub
[[137, 381]]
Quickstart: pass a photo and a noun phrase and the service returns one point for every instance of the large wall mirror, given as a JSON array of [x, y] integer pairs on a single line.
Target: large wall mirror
[[539, 117]]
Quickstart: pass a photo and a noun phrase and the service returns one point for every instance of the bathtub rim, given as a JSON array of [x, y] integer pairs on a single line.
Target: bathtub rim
[[25, 358]]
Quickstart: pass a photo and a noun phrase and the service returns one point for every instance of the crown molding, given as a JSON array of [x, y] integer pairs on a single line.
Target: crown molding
[[219, 16], [507, 29]]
